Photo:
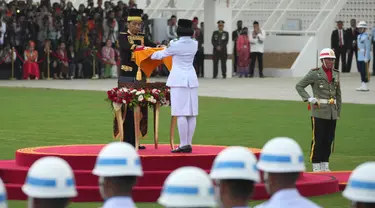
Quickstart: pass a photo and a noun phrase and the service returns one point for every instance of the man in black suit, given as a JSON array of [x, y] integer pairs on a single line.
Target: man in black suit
[[352, 34], [339, 43]]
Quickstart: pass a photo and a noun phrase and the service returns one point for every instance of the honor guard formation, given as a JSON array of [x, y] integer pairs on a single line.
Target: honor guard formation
[[231, 182]]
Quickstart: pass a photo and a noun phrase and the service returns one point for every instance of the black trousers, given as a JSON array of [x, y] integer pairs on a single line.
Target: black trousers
[[323, 131], [235, 58], [129, 132], [128, 126], [256, 56], [340, 52], [222, 56], [350, 58], [363, 71], [373, 58]]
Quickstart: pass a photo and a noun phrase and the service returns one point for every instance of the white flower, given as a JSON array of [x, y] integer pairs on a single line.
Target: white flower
[[133, 91], [153, 101], [124, 101], [138, 93], [155, 91], [143, 92], [140, 98]]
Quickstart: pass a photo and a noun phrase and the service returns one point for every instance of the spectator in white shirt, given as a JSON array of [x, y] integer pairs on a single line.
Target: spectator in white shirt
[[257, 37], [172, 27], [3, 29]]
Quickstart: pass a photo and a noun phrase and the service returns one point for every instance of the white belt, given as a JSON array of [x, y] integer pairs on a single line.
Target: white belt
[[326, 101]]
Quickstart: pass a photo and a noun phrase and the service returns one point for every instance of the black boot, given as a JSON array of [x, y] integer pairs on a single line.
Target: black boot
[[184, 149]]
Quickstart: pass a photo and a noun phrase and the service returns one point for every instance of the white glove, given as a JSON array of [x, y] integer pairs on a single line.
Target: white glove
[[312, 100]]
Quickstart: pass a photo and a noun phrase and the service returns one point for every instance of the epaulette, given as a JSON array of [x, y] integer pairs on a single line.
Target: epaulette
[[123, 33], [314, 69], [141, 33]]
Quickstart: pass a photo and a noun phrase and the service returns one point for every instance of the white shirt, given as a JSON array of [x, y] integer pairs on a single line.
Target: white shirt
[[257, 43], [287, 198], [3, 29], [171, 31], [183, 51], [119, 202], [341, 36]]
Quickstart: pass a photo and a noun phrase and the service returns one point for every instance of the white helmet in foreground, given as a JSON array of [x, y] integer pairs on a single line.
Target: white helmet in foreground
[[188, 187], [235, 163], [3, 195], [327, 53], [50, 177], [361, 184], [281, 155], [118, 159]]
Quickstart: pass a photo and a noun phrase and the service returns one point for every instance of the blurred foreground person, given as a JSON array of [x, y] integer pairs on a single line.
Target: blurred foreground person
[[282, 162], [3, 195], [50, 183], [118, 165], [188, 187], [360, 189], [235, 173]]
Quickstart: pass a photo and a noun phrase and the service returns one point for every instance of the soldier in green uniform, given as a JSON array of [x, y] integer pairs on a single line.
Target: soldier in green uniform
[[219, 41], [130, 41], [325, 106]]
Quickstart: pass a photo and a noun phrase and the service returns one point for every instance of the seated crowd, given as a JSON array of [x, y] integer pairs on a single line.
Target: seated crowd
[[60, 42]]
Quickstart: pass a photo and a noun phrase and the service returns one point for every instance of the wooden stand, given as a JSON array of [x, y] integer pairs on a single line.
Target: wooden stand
[[137, 115], [171, 133]]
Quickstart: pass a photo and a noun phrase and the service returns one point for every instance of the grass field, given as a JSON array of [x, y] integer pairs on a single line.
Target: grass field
[[36, 117]]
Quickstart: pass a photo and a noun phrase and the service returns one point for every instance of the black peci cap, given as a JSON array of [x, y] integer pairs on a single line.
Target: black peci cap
[[135, 15], [185, 23]]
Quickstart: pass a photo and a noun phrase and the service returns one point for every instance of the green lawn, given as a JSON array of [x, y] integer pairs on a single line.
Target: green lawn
[[35, 117]]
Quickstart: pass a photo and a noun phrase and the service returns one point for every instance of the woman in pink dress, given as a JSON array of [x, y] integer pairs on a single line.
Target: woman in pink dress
[[31, 67], [108, 55], [243, 53]]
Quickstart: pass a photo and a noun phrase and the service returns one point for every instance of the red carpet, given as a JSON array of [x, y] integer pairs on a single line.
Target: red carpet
[[157, 165], [83, 157], [341, 176]]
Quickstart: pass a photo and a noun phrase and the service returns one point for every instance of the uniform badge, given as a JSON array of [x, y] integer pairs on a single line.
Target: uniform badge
[[223, 37]]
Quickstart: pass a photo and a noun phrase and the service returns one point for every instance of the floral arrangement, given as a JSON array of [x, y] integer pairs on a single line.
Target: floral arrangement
[[141, 97]]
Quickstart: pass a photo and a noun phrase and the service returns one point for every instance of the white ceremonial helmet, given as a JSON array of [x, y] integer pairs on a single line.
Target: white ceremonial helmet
[[327, 53], [3, 195], [281, 155], [118, 159], [50, 177], [235, 163], [188, 187], [361, 184], [362, 24]]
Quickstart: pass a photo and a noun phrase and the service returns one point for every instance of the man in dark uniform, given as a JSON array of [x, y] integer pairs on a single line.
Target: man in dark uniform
[[325, 104], [130, 41], [219, 41], [235, 34]]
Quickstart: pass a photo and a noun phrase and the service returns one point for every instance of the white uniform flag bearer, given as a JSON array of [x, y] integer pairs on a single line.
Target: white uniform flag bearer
[[183, 82]]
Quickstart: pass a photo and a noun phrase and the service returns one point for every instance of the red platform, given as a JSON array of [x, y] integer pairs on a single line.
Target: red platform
[[157, 165]]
